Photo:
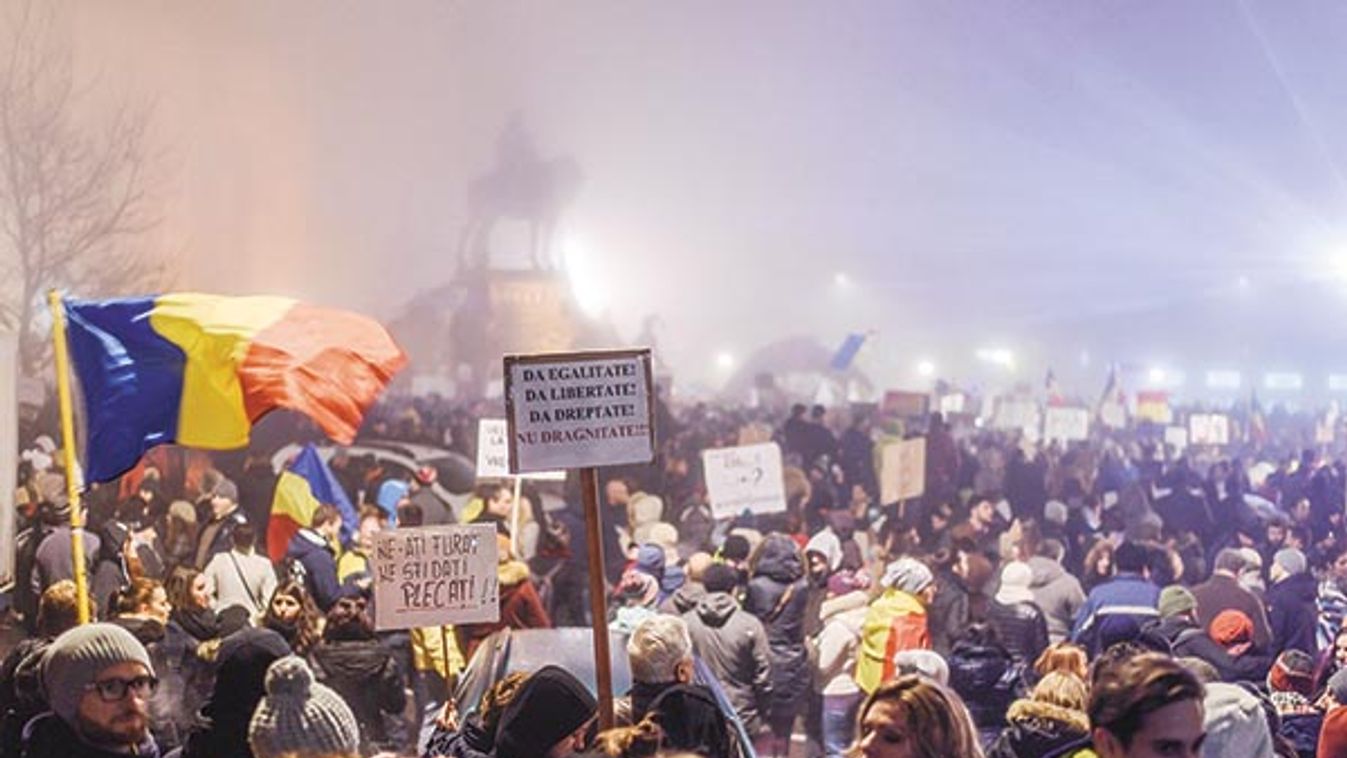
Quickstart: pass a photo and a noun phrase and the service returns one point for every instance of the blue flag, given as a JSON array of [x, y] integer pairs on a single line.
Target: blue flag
[[326, 489], [847, 352]]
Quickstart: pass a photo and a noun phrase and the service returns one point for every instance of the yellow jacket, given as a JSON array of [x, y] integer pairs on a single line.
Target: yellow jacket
[[428, 651]]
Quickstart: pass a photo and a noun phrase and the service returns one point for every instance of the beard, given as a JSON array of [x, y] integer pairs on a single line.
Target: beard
[[128, 728]]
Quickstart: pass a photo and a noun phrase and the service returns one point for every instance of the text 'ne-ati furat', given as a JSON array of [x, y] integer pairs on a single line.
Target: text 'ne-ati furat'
[[584, 434], [581, 372]]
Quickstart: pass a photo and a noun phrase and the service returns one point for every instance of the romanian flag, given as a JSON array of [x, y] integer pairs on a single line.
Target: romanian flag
[[199, 370], [304, 485]]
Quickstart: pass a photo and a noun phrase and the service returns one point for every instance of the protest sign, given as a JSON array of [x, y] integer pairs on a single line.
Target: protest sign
[[1016, 413], [954, 403], [435, 575], [9, 450], [1208, 429], [1066, 424], [1176, 437], [493, 453], [744, 478], [902, 470], [905, 404], [579, 410]]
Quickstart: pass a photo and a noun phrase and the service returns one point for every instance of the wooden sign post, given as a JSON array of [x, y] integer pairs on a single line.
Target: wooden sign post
[[581, 411]]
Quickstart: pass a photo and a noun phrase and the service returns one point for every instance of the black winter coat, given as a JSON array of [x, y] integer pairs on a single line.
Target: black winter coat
[[1293, 613], [1186, 638], [777, 594], [948, 615], [50, 737], [1021, 628], [367, 677], [1036, 729], [988, 680]]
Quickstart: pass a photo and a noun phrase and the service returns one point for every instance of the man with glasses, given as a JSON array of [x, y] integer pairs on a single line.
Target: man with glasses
[[98, 681]]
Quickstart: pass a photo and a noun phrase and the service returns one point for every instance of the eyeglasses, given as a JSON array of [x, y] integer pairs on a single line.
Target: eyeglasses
[[114, 690]]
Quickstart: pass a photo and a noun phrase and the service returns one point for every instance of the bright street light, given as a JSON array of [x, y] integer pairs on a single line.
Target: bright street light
[[725, 360], [926, 368]]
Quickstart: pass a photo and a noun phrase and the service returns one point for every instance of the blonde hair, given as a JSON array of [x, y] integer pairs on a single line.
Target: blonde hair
[[1062, 689], [934, 719]]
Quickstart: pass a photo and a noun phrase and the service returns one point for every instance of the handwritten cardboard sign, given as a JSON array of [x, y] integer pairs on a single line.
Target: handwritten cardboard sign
[[576, 410], [435, 575], [1066, 424], [902, 470], [1017, 413], [493, 453], [743, 478]]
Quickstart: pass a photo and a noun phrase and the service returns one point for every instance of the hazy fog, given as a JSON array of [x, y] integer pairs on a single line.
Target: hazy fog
[[1139, 181]]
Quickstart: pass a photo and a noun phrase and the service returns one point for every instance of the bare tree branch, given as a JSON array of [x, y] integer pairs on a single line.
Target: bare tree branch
[[75, 191]]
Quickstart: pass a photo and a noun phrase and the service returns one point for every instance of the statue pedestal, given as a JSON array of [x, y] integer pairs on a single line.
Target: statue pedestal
[[529, 312]]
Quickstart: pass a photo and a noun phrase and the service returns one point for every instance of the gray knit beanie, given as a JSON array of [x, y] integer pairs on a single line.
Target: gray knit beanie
[[76, 658], [299, 715]]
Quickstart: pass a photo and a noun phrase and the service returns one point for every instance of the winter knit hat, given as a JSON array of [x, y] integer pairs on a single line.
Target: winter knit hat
[[1055, 512], [928, 663], [1235, 722], [1016, 577], [76, 658], [1231, 627], [1293, 672], [1337, 686], [907, 575], [1176, 599], [549, 705], [720, 577], [299, 715], [1291, 560]]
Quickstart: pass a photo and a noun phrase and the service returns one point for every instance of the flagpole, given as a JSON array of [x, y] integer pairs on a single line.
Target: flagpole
[[514, 517], [72, 487]]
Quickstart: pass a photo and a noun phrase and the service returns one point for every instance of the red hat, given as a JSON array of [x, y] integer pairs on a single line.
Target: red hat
[[1231, 627], [426, 475]]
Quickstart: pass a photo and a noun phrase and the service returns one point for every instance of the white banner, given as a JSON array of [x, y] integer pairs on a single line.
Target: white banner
[[435, 575], [9, 450], [577, 410], [744, 478], [1066, 424], [493, 453], [1176, 437]]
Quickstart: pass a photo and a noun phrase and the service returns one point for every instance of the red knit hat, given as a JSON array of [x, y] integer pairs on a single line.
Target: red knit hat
[[1231, 627]]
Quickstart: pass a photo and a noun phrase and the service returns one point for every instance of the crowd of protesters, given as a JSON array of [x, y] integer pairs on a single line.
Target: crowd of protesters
[[1108, 597]]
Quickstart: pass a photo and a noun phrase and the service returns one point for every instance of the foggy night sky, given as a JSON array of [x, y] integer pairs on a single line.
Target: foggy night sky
[[1053, 177]]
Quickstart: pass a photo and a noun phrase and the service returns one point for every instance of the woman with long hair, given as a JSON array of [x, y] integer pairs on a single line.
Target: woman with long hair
[[190, 598], [292, 614], [913, 717]]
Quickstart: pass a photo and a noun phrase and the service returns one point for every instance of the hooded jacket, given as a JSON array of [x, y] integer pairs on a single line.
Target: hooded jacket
[[520, 608], [1035, 728], [733, 644], [895, 621], [239, 686], [1058, 594], [1293, 614], [986, 677], [777, 594], [367, 677], [310, 550]]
